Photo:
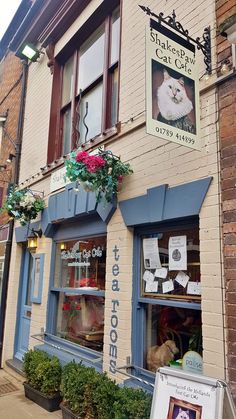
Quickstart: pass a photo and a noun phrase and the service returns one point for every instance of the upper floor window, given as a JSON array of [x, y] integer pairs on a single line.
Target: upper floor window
[[88, 85]]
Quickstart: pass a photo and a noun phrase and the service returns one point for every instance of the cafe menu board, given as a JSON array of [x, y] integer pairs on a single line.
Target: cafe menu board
[[178, 394]]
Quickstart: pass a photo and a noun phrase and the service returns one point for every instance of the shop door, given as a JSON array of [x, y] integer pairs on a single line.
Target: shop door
[[24, 308]]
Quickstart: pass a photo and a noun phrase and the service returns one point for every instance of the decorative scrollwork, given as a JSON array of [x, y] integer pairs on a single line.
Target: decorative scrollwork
[[204, 45]]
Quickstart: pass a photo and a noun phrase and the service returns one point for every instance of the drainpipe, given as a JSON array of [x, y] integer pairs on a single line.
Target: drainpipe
[[5, 279]]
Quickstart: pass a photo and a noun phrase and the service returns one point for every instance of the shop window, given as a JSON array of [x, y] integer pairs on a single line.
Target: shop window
[[167, 295], [79, 287], [88, 82]]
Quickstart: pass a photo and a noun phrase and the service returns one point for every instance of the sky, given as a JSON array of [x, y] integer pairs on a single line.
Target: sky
[[8, 9]]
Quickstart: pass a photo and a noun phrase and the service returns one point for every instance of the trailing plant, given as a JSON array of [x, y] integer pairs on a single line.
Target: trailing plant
[[90, 394], [102, 173], [23, 205], [43, 373]]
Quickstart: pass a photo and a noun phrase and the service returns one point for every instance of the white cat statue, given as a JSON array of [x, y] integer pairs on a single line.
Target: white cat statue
[[183, 414]]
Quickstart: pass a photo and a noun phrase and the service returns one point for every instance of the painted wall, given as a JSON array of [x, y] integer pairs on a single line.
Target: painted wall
[[154, 161]]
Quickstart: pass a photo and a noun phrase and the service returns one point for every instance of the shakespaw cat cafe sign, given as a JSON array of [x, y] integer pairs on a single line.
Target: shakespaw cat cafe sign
[[172, 93]]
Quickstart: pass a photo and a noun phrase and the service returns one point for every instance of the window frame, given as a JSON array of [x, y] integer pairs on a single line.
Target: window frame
[[55, 141], [53, 300], [138, 308]]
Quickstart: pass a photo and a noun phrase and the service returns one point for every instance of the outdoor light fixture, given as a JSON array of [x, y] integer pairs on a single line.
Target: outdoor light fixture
[[32, 243], [2, 167], [10, 158], [30, 52]]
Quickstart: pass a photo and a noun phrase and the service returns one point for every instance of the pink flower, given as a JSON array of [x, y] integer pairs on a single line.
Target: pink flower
[[94, 163], [120, 178], [81, 156]]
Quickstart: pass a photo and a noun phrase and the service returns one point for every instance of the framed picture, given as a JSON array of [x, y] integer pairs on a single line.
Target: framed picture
[[179, 409], [37, 278]]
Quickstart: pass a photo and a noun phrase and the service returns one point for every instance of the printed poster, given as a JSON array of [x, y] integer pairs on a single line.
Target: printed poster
[[151, 253], [172, 92], [178, 253]]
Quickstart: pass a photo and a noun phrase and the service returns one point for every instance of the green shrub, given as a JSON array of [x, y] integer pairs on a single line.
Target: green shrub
[[132, 404], [93, 395], [42, 372]]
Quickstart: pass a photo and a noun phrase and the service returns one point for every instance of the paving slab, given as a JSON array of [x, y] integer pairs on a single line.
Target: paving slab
[[14, 404]]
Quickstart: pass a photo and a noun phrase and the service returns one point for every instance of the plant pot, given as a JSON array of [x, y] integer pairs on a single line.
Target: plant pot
[[49, 403], [67, 413]]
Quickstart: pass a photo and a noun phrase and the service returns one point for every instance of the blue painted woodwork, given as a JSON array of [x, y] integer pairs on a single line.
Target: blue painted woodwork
[[163, 203], [22, 233], [36, 294], [24, 310]]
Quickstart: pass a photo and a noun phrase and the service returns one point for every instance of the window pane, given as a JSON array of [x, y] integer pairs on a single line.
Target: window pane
[[91, 114], [163, 280], [115, 36], [114, 98], [170, 333], [91, 59], [80, 319], [81, 264], [66, 146], [67, 87], [29, 282]]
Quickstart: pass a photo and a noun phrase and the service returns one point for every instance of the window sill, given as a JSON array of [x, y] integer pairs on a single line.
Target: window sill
[[67, 351]]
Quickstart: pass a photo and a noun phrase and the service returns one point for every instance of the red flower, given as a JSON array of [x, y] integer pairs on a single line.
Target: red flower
[[81, 156], [94, 163], [120, 178]]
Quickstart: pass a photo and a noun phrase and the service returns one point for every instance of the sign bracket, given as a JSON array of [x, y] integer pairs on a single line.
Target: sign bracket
[[203, 44]]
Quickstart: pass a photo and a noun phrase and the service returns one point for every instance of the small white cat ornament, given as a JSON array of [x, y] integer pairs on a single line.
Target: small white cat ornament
[[174, 104], [183, 414]]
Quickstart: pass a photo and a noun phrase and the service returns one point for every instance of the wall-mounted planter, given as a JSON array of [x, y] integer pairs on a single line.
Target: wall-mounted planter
[[49, 403]]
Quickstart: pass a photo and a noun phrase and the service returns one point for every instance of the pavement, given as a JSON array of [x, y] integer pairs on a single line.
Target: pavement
[[14, 405]]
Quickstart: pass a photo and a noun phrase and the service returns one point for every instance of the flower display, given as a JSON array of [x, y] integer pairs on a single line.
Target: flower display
[[102, 173], [23, 205]]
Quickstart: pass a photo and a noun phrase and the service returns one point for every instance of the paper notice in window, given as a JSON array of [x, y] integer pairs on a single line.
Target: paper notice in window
[[151, 287], [148, 276], [178, 253], [194, 288], [182, 279], [151, 253], [161, 273], [167, 286]]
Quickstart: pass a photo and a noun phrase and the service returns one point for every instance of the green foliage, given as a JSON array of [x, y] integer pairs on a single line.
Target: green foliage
[[23, 205], [102, 173], [93, 395], [132, 404], [42, 372]]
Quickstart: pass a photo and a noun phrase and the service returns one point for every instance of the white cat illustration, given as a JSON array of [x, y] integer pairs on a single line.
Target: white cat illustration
[[183, 414], [174, 104]]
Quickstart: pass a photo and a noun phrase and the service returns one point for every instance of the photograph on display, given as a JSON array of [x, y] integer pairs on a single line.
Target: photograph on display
[[179, 409], [173, 98]]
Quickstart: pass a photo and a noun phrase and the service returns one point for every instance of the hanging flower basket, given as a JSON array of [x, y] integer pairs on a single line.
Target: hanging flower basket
[[102, 173], [23, 205]]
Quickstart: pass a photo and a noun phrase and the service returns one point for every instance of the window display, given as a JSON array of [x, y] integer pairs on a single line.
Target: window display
[[168, 292], [79, 283]]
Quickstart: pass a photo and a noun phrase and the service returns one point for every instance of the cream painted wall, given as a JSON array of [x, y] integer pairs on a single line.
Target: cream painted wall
[[154, 161]]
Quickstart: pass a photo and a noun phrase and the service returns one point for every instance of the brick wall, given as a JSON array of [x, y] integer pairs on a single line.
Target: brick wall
[[227, 123], [10, 93]]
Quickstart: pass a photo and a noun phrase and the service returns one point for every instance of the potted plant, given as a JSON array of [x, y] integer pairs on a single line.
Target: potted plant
[[102, 173], [23, 204], [88, 394], [43, 379]]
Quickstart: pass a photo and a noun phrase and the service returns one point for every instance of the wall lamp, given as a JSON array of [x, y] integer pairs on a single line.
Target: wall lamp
[[30, 52], [10, 158]]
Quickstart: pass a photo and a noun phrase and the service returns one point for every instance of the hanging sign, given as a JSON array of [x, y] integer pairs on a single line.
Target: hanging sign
[[183, 395], [172, 93]]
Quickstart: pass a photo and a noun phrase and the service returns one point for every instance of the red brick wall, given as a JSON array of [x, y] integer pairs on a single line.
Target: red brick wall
[[10, 93], [227, 124]]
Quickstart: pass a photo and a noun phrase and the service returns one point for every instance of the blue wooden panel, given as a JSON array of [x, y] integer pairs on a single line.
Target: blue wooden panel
[[81, 201], [106, 209], [88, 226], [70, 201], [163, 204], [22, 233]]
